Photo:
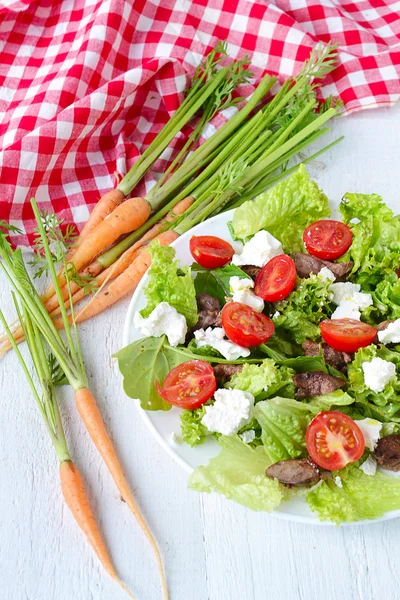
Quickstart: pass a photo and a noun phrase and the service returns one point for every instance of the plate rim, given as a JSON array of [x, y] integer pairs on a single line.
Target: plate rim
[[285, 516]]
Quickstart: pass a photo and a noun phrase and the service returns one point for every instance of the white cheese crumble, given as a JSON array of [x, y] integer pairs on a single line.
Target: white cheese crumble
[[391, 334], [349, 300], [378, 373], [276, 314], [216, 339], [326, 274], [163, 320], [338, 481], [259, 250], [347, 309], [369, 465], [371, 430], [248, 436], [231, 410], [241, 292]]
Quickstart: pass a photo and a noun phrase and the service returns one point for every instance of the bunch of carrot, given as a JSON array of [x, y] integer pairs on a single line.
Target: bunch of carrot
[[39, 329], [239, 161]]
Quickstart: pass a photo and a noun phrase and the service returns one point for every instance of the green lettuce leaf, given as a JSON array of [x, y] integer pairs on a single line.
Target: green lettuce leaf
[[376, 237], [285, 210], [238, 472], [216, 281], [284, 422], [303, 310], [168, 282], [386, 299], [192, 430], [266, 379], [361, 497], [363, 394]]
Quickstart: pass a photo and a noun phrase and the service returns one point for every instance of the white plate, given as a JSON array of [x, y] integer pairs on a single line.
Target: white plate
[[163, 424]]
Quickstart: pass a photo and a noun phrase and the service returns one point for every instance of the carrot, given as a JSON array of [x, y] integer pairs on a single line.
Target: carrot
[[125, 218], [124, 283], [103, 208], [78, 502], [91, 417]]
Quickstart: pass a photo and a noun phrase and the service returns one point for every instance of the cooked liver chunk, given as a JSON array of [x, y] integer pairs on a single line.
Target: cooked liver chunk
[[251, 270], [209, 311], [294, 472], [317, 383], [223, 372], [332, 357], [306, 264], [387, 452]]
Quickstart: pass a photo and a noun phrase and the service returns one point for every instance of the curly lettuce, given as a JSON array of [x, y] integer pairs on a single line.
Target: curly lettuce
[[238, 472], [302, 311], [285, 211], [192, 430], [360, 497], [169, 282], [265, 379]]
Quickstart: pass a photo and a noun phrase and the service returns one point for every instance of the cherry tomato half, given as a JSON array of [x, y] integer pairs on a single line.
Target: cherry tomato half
[[276, 279], [327, 239], [245, 326], [210, 251], [334, 440], [189, 385], [347, 335]]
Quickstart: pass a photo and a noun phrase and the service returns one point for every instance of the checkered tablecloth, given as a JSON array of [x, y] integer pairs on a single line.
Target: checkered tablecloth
[[86, 84]]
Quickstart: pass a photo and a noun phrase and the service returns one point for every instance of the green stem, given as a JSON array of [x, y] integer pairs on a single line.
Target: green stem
[[131, 179]]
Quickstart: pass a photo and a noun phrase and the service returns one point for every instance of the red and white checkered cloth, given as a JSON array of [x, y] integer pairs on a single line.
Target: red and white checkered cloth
[[85, 85]]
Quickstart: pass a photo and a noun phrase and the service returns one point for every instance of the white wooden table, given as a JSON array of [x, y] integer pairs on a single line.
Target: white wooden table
[[213, 549]]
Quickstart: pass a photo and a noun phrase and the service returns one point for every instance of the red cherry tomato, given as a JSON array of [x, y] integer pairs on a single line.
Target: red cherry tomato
[[327, 239], [276, 279], [347, 335], [334, 440], [210, 251], [245, 326], [189, 385]]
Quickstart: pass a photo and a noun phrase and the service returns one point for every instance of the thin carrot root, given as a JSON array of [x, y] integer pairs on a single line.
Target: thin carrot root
[[107, 203], [126, 218], [91, 417], [78, 502], [93, 270]]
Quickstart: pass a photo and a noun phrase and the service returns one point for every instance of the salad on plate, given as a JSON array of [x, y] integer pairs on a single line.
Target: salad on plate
[[283, 344]]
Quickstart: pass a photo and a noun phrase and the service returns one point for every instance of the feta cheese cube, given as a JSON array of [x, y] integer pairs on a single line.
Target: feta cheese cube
[[216, 339], [391, 334], [326, 274], [371, 430], [259, 250], [369, 465], [231, 410], [350, 301], [338, 481], [248, 436], [241, 288], [378, 373], [347, 309], [163, 320]]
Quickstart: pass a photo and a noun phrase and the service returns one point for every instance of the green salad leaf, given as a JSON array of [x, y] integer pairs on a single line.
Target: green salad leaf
[[386, 299], [361, 497], [192, 430], [168, 282], [302, 311], [238, 472], [216, 281], [376, 237], [391, 392], [285, 210], [141, 364], [266, 379]]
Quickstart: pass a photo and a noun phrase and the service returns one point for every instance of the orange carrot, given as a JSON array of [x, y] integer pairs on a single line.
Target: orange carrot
[[78, 502], [91, 417], [127, 217], [124, 283]]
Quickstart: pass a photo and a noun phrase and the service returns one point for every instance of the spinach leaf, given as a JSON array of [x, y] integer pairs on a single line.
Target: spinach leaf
[[216, 281]]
